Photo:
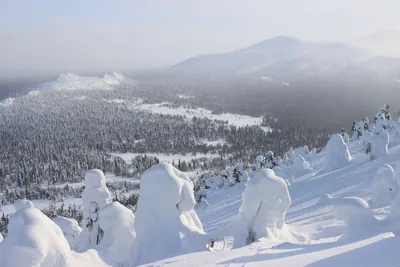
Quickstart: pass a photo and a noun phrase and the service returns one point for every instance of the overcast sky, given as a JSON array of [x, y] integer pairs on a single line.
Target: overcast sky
[[51, 36]]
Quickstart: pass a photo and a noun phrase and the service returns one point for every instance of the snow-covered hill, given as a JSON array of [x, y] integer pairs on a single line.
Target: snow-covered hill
[[284, 58], [318, 244], [72, 81]]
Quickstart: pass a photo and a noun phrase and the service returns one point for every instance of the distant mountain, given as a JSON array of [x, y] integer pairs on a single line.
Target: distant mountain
[[284, 58], [385, 42]]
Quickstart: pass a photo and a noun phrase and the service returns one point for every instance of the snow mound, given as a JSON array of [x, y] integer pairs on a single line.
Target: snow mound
[[34, 240], [70, 229], [20, 204], [262, 213], [117, 223], [300, 166], [337, 154], [384, 187], [94, 197], [357, 215], [165, 222], [72, 81]]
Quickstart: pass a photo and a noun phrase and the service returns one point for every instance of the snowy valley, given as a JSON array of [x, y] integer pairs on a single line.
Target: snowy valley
[[337, 205]]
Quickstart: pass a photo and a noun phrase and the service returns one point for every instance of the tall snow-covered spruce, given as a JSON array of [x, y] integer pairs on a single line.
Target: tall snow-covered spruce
[[265, 201], [94, 197], [337, 154], [166, 223]]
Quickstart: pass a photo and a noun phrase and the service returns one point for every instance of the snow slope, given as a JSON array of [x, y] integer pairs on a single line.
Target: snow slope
[[319, 244]]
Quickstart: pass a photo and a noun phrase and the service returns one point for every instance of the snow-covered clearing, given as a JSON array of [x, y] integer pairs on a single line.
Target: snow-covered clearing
[[232, 119]]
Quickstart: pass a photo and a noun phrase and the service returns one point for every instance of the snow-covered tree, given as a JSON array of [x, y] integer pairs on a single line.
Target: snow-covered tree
[[337, 154], [300, 166], [70, 229], [356, 214], [117, 222], [22, 204], [94, 197], [345, 135], [260, 162], [384, 187], [379, 143], [34, 240], [165, 221], [262, 213]]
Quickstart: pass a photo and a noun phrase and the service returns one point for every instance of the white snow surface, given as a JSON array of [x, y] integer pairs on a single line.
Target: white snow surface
[[384, 187], [232, 119], [324, 235], [72, 81]]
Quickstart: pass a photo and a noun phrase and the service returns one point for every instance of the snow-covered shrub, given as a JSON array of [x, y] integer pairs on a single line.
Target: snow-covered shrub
[[337, 154], [165, 222], [22, 204], [384, 187], [34, 240], [262, 213], [70, 229], [1, 237], [94, 197], [117, 223], [356, 213]]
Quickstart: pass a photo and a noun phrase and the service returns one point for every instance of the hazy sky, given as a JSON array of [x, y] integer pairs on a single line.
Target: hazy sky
[[50, 36]]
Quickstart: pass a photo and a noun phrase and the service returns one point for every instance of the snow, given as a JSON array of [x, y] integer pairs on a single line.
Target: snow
[[8, 102], [117, 223], [232, 119], [165, 222], [70, 229], [72, 81], [34, 240], [262, 213], [94, 197], [337, 154], [379, 144], [384, 187], [214, 142], [127, 157], [22, 204]]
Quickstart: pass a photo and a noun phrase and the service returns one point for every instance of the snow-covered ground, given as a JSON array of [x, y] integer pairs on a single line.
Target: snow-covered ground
[[165, 157], [318, 243], [232, 119]]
